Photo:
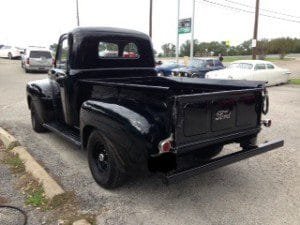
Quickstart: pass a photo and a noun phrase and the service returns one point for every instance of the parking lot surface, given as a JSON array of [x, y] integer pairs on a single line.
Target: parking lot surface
[[260, 190]]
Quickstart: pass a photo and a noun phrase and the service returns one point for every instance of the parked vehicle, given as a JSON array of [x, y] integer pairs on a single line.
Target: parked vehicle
[[198, 68], [36, 59], [10, 52], [258, 70], [131, 121], [166, 68]]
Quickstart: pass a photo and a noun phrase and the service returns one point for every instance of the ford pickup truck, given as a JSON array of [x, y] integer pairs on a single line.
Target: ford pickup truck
[[103, 94]]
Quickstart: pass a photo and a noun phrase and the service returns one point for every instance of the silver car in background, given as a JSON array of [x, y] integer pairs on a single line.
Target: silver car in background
[[36, 59]]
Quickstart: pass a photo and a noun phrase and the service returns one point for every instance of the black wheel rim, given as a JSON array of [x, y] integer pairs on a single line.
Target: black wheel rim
[[101, 158]]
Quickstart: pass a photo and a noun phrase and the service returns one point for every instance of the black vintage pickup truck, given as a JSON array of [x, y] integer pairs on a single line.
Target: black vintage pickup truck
[[103, 95]]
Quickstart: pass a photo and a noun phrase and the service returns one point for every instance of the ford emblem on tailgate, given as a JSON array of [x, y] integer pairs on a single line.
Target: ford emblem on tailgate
[[223, 114]]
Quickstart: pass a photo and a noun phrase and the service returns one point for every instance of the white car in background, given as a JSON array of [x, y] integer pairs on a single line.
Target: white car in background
[[10, 52], [257, 70], [36, 59]]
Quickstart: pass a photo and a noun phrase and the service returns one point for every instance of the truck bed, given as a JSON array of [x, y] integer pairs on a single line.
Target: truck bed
[[202, 111]]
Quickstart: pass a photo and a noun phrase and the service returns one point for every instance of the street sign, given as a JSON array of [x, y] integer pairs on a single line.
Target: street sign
[[254, 43], [184, 26]]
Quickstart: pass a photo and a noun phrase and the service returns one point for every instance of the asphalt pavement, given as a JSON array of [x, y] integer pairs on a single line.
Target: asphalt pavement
[[260, 190]]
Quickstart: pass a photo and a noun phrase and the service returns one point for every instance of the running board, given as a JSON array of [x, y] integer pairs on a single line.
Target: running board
[[70, 134], [222, 161]]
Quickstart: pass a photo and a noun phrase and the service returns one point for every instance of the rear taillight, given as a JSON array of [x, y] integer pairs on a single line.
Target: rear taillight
[[27, 61], [165, 145]]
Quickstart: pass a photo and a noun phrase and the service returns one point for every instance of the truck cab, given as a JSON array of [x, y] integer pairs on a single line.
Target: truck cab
[[103, 95]]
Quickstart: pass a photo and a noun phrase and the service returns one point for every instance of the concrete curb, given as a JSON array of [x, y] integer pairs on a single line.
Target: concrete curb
[[8, 140], [51, 187]]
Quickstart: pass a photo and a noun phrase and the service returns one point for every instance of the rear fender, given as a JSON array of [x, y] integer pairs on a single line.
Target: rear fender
[[129, 131]]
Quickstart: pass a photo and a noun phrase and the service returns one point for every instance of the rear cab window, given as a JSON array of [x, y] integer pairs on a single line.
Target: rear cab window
[[40, 54], [118, 50]]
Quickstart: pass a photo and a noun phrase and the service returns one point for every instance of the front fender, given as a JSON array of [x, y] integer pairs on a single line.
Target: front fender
[[41, 94], [130, 132]]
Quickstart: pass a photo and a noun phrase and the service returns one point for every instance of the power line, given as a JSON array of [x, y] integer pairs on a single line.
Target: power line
[[247, 11], [267, 10]]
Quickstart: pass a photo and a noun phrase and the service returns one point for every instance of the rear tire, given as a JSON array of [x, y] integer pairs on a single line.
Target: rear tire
[[103, 163], [36, 121], [208, 152]]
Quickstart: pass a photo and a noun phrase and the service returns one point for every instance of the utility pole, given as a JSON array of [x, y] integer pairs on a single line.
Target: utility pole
[[177, 43], [150, 18], [77, 12], [192, 36], [254, 41]]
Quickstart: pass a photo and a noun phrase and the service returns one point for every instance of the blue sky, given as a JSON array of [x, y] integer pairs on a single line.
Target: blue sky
[[36, 22]]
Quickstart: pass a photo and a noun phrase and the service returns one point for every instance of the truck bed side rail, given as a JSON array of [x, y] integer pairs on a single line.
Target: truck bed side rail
[[215, 95]]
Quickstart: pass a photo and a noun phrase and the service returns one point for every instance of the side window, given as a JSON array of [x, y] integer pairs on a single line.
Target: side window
[[270, 66], [108, 50], [131, 51], [63, 55], [260, 66], [209, 63]]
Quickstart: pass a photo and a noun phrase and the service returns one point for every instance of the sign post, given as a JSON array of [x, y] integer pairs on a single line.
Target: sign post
[[192, 36], [177, 43]]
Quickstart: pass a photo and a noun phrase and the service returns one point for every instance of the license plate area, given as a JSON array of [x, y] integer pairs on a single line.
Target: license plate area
[[223, 114]]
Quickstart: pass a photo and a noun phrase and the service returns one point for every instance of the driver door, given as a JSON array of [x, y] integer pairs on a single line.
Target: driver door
[[59, 79]]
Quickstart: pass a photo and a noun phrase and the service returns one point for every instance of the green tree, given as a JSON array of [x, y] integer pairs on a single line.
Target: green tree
[[244, 48], [296, 47], [169, 50], [262, 48], [53, 47], [185, 48], [281, 46]]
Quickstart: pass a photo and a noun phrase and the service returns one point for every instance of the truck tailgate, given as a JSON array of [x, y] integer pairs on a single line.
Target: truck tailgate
[[203, 119]]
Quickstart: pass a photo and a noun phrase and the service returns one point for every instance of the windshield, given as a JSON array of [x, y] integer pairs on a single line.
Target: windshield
[[40, 54], [245, 66], [197, 63]]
